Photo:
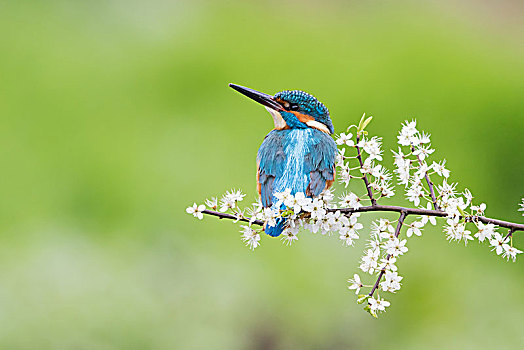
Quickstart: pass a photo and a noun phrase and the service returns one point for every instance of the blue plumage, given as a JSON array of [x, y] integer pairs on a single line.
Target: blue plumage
[[299, 154], [299, 159], [292, 158]]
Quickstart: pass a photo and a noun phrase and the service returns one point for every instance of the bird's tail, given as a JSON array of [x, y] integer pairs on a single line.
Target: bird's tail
[[275, 231]]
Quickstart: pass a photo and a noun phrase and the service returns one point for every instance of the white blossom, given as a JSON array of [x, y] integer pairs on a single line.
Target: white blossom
[[369, 261], [388, 264], [283, 197], [469, 197], [378, 304], [422, 152], [403, 168], [422, 138], [367, 167], [226, 203], [230, 200], [386, 190], [398, 157], [381, 173], [407, 135], [313, 225], [386, 225], [396, 247], [347, 236], [356, 283], [339, 220], [510, 252], [447, 190], [374, 243], [425, 218], [391, 282], [453, 206], [372, 147], [354, 225], [196, 210], [497, 242], [350, 200], [254, 210], [479, 209], [340, 157], [484, 231], [422, 170], [345, 139], [298, 201], [212, 203], [239, 214], [344, 175], [414, 193], [316, 208], [289, 235], [383, 228], [440, 168], [269, 216], [415, 228], [410, 128], [327, 196], [404, 139], [456, 231], [237, 196], [250, 237]]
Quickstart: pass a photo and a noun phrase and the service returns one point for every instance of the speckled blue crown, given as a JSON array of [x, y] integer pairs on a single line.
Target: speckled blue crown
[[308, 104]]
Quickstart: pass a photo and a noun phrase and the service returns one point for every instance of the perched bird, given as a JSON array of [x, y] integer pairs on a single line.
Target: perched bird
[[299, 154]]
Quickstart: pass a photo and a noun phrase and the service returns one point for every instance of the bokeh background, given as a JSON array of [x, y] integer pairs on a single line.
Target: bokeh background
[[116, 115]]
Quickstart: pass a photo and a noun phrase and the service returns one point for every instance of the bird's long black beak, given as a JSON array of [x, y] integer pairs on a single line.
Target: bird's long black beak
[[263, 99]]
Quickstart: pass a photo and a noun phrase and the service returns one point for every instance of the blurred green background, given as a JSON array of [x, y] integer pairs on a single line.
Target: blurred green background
[[116, 115]]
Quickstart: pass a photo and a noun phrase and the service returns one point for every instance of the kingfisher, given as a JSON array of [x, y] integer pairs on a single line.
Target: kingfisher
[[299, 153]]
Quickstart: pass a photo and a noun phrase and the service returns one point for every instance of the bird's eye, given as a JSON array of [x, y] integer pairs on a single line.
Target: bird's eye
[[293, 107]]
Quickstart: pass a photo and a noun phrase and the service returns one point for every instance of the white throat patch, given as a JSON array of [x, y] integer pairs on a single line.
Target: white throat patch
[[280, 123]]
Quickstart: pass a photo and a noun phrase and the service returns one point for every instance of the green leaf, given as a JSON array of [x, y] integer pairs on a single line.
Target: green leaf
[[371, 312], [362, 298], [366, 122], [363, 123], [359, 127], [361, 120]]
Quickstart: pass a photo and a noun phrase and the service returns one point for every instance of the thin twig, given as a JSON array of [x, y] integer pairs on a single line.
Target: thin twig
[[510, 233], [386, 208], [364, 175], [401, 219], [232, 217], [432, 192], [429, 182], [430, 212]]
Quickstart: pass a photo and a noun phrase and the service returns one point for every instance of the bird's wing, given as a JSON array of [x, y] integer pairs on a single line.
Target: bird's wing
[[320, 162], [270, 164]]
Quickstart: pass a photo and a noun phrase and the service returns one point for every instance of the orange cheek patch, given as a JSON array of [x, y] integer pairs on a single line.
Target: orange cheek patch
[[303, 117]]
